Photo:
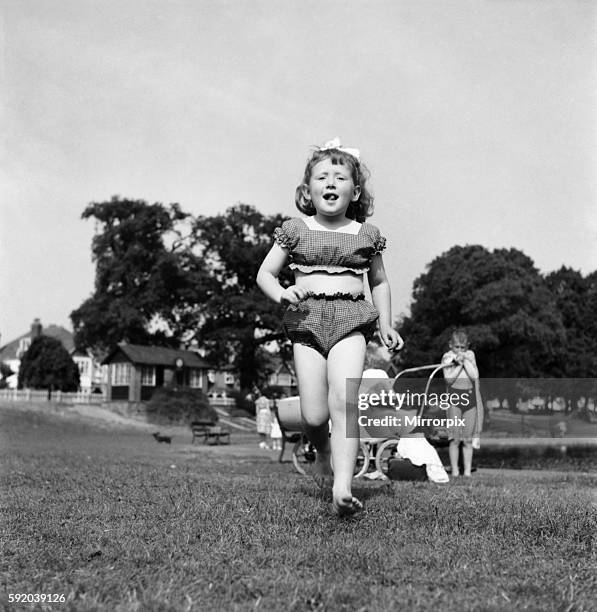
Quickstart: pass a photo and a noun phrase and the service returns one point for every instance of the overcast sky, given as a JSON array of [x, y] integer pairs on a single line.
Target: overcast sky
[[477, 120]]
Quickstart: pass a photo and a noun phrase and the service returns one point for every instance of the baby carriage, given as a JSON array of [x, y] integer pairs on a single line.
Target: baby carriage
[[288, 411], [373, 448]]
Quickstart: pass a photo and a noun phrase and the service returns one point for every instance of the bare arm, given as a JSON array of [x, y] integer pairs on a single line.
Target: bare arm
[[464, 361], [470, 365], [451, 371], [382, 300], [267, 277]]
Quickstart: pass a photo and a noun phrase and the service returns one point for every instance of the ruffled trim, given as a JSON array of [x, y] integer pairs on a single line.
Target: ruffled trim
[[331, 269], [379, 245], [336, 296], [282, 238]]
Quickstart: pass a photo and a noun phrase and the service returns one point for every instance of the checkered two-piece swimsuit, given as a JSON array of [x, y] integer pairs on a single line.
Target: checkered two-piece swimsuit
[[321, 320]]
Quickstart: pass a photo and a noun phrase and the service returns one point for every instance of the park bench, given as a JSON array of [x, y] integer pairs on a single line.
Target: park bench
[[210, 432]]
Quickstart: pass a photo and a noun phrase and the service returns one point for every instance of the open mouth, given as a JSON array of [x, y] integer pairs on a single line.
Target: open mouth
[[330, 197]]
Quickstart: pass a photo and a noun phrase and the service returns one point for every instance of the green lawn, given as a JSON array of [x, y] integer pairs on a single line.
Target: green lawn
[[115, 521]]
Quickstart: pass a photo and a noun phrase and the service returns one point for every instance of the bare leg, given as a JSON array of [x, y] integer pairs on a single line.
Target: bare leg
[[454, 451], [345, 360], [311, 370], [467, 455]]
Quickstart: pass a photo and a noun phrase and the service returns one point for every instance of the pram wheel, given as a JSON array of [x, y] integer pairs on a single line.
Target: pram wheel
[[385, 451], [303, 455]]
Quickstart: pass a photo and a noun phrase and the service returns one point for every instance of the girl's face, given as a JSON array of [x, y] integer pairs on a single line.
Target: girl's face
[[331, 188]]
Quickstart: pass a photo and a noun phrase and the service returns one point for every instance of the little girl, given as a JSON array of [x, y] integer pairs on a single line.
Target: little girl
[[328, 319], [462, 377]]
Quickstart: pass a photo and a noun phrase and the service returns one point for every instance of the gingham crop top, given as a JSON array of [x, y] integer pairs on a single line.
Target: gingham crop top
[[329, 251]]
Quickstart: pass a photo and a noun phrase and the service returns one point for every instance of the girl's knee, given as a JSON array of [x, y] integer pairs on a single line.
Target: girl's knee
[[337, 397], [314, 421]]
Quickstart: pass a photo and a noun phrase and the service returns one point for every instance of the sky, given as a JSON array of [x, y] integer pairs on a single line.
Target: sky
[[477, 120]]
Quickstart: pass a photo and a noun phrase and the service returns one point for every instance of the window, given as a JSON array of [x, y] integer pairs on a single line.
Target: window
[[195, 378], [229, 378], [84, 366], [148, 376], [211, 376], [121, 374]]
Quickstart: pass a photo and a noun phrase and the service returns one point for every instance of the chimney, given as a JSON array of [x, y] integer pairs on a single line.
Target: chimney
[[35, 329]]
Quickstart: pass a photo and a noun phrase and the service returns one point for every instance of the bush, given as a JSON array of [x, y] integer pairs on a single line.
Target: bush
[[180, 405]]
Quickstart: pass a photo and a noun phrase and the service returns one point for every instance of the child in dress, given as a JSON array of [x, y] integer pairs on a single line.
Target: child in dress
[[462, 377], [276, 433], [263, 420], [328, 319]]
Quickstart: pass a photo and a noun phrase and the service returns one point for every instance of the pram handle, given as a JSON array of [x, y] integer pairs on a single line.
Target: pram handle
[[436, 367]]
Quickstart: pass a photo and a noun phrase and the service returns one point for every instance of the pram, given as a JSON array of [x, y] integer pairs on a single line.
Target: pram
[[371, 449]]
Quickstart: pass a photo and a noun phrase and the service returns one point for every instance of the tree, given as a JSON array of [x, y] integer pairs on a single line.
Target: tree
[[502, 301], [194, 278], [237, 320], [147, 280], [47, 365], [576, 299]]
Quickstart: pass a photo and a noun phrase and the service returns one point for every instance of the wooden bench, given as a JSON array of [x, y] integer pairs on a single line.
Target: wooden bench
[[210, 432], [217, 435]]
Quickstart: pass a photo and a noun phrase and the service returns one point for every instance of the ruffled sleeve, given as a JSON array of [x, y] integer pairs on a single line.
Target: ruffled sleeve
[[286, 235], [379, 242]]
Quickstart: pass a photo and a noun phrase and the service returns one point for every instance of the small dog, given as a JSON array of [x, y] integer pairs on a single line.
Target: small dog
[[160, 438]]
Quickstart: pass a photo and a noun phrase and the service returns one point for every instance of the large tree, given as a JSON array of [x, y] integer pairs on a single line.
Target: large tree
[[147, 280], [47, 365], [237, 320], [164, 277], [503, 302]]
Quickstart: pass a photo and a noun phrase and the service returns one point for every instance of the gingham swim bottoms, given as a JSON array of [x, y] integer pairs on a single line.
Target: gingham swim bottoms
[[321, 321]]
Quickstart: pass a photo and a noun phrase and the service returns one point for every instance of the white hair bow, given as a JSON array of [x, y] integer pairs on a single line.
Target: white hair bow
[[335, 144]]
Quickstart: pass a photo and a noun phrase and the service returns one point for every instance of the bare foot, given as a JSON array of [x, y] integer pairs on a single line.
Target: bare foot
[[323, 474], [346, 505]]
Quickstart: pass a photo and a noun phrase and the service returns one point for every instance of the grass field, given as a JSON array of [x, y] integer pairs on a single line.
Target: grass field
[[115, 521]]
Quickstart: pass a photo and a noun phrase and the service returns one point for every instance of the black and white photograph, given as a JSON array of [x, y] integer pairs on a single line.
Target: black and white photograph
[[298, 305]]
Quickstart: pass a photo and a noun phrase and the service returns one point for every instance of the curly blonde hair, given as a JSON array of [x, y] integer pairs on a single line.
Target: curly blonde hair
[[358, 210]]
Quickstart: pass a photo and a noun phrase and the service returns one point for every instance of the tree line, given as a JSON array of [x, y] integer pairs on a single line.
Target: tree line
[[165, 277]]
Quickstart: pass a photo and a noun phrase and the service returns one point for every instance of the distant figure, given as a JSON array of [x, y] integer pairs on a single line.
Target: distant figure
[[276, 434], [264, 420], [462, 378]]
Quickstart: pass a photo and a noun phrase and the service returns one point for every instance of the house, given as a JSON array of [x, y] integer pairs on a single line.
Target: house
[[222, 381], [134, 371], [89, 370], [284, 377]]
